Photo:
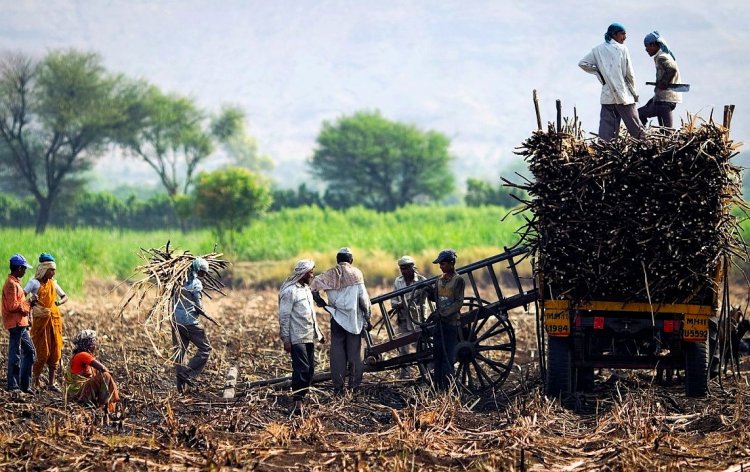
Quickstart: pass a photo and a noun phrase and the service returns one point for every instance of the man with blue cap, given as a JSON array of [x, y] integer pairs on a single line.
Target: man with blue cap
[[16, 310], [665, 99], [611, 63]]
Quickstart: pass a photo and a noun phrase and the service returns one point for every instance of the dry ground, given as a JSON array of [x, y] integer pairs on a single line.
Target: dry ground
[[627, 424]]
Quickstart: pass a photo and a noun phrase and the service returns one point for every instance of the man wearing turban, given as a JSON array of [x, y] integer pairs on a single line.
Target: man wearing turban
[[298, 328], [611, 63], [408, 307], [349, 305], [664, 100], [186, 326], [46, 327]]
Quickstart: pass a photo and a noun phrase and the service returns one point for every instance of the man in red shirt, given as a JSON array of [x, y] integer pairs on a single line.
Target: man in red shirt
[[16, 310]]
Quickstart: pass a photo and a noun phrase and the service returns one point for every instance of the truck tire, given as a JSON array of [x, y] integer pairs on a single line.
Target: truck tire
[[585, 379], [559, 380], [696, 369]]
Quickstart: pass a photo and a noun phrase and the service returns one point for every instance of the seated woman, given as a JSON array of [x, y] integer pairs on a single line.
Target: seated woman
[[88, 381]]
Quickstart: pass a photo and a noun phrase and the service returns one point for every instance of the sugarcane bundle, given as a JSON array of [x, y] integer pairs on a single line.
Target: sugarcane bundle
[[164, 272], [631, 220]]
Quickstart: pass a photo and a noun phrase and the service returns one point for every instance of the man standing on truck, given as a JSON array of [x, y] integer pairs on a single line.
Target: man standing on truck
[[611, 63], [664, 100], [413, 308], [448, 296], [349, 306]]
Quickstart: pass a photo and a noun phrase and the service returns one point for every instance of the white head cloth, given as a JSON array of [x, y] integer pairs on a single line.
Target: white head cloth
[[42, 269], [300, 269]]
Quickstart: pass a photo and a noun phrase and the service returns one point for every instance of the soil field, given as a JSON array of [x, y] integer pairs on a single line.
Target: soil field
[[628, 423]]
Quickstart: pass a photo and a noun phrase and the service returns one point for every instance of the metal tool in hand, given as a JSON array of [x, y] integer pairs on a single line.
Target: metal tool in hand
[[674, 87]]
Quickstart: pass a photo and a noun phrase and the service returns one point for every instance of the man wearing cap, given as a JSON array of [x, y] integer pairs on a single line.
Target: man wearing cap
[[298, 328], [47, 326], [448, 296], [349, 306], [408, 307], [664, 100], [187, 328], [16, 310], [611, 63]]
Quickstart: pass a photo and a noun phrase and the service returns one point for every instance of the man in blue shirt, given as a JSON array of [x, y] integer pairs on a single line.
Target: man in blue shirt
[[186, 327]]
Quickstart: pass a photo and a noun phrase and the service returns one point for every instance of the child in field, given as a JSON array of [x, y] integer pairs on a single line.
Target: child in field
[[88, 380], [46, 330]]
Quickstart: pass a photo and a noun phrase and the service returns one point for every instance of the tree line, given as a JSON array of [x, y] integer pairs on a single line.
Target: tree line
[[60, 113]]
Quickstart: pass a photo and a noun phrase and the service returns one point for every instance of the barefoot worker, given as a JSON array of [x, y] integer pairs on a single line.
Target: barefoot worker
[[298, 328], [187, 328], [416, 304], [448, 295], [88, 381], [46, 327], [349, 305]]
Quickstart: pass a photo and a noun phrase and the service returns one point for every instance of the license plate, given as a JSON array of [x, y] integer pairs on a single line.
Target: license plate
[[695, 328], [557, 323]]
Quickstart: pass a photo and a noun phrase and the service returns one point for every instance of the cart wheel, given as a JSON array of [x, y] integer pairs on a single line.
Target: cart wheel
[[486, 349], [425, 364]]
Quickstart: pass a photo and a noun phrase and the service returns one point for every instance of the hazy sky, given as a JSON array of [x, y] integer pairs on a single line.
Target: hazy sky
[[465, 68]]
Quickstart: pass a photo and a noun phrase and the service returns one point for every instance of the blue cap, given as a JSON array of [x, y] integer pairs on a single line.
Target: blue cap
[[46, 257], [19, 261], [446, 255]]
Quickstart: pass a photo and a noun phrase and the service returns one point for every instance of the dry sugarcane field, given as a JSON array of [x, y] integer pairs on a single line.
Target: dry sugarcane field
[[227, 419], [627, 423]]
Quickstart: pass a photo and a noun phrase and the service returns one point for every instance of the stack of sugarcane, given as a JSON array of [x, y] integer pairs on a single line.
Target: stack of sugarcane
[[164, 273], [633, 220]]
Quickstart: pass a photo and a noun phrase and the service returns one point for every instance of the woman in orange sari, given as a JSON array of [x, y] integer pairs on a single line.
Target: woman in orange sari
[[88, 381], [46, 326]]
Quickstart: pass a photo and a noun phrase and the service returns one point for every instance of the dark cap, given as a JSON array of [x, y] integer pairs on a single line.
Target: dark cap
[[18, 260], [446, 255]]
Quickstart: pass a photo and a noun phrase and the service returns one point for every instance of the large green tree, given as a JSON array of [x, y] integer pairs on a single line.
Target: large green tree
[[174, 136], [369, 160], [57, 116], [170, 138], [228, 199]]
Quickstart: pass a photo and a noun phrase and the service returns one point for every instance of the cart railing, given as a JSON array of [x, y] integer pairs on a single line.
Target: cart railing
[[506, 292]]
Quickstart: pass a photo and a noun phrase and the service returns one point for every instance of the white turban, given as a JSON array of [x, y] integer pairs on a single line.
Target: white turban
[[300, 269], [42, 269]]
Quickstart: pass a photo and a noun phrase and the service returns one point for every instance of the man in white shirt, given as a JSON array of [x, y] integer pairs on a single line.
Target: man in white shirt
[[349, 306], [415, 310], [298, 328], [611, 63]]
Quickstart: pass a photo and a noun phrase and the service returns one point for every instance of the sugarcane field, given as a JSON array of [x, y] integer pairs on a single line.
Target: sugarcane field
[[374, 236], [623, 242]]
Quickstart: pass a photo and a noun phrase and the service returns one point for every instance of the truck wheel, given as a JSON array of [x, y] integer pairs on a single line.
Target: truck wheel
[[696, 369], [585, 379], [559, 367]]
